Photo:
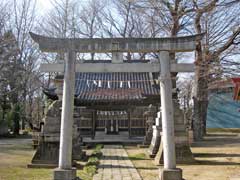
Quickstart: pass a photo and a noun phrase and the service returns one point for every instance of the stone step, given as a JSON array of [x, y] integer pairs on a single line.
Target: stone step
[[115, 137], [101, 135], [122, 137]]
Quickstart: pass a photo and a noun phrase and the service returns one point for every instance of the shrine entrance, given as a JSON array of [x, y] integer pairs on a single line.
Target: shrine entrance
[[117, 46], [112, 122]]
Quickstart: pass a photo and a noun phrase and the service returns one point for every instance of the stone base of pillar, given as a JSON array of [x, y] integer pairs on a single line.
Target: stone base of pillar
[[46, 153], [171, 174], [64, 174], [183, 152], [155, 143]]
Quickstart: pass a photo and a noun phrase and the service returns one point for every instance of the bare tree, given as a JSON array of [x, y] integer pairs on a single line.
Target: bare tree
[[218, 20], [10, 77], [185, 94], [22, 22], [90, 20], [121, 20], [4, 16], [61, 20]]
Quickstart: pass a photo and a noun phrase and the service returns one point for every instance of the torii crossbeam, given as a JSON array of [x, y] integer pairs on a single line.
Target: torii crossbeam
[[117, 45]]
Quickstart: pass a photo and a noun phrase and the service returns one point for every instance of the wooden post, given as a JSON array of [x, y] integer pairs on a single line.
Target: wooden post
[[65, 170], [129, 123], [94, 123]]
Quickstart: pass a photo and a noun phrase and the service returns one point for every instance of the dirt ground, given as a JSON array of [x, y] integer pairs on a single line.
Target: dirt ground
[[217, 158]]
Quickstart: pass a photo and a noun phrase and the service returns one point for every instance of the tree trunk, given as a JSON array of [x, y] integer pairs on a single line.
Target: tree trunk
[[199, 117], [23, 118], [201, 96], [4, 108], [16, 119]]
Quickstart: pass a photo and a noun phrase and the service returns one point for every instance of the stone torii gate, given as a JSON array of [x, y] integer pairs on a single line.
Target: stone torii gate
[[117, 46]]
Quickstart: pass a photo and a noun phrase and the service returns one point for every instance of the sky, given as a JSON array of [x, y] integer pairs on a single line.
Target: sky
[[44, 5]]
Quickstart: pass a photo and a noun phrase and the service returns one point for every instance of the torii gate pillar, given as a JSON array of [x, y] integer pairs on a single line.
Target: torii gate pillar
[[170, 172], [65, 170]]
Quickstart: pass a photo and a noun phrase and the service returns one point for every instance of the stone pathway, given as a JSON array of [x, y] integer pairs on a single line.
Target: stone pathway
[[115, 164]]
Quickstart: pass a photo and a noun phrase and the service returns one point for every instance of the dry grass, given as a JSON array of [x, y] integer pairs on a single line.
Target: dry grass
[[217, 158], [15, 154], [14, 158]]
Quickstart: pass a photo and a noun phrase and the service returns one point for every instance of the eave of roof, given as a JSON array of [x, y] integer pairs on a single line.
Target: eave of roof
[[112, 87]]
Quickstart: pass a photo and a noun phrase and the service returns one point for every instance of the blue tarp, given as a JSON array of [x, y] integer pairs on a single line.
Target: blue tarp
[[223, 111]]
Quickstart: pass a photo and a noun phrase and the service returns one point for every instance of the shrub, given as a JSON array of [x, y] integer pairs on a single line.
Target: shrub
[[90, 169], [91, 166]]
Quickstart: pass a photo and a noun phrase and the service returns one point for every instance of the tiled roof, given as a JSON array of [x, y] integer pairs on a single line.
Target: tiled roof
[[114, 86]]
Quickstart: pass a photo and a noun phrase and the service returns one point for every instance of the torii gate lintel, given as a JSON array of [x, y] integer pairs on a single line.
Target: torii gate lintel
[[108, 45]]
